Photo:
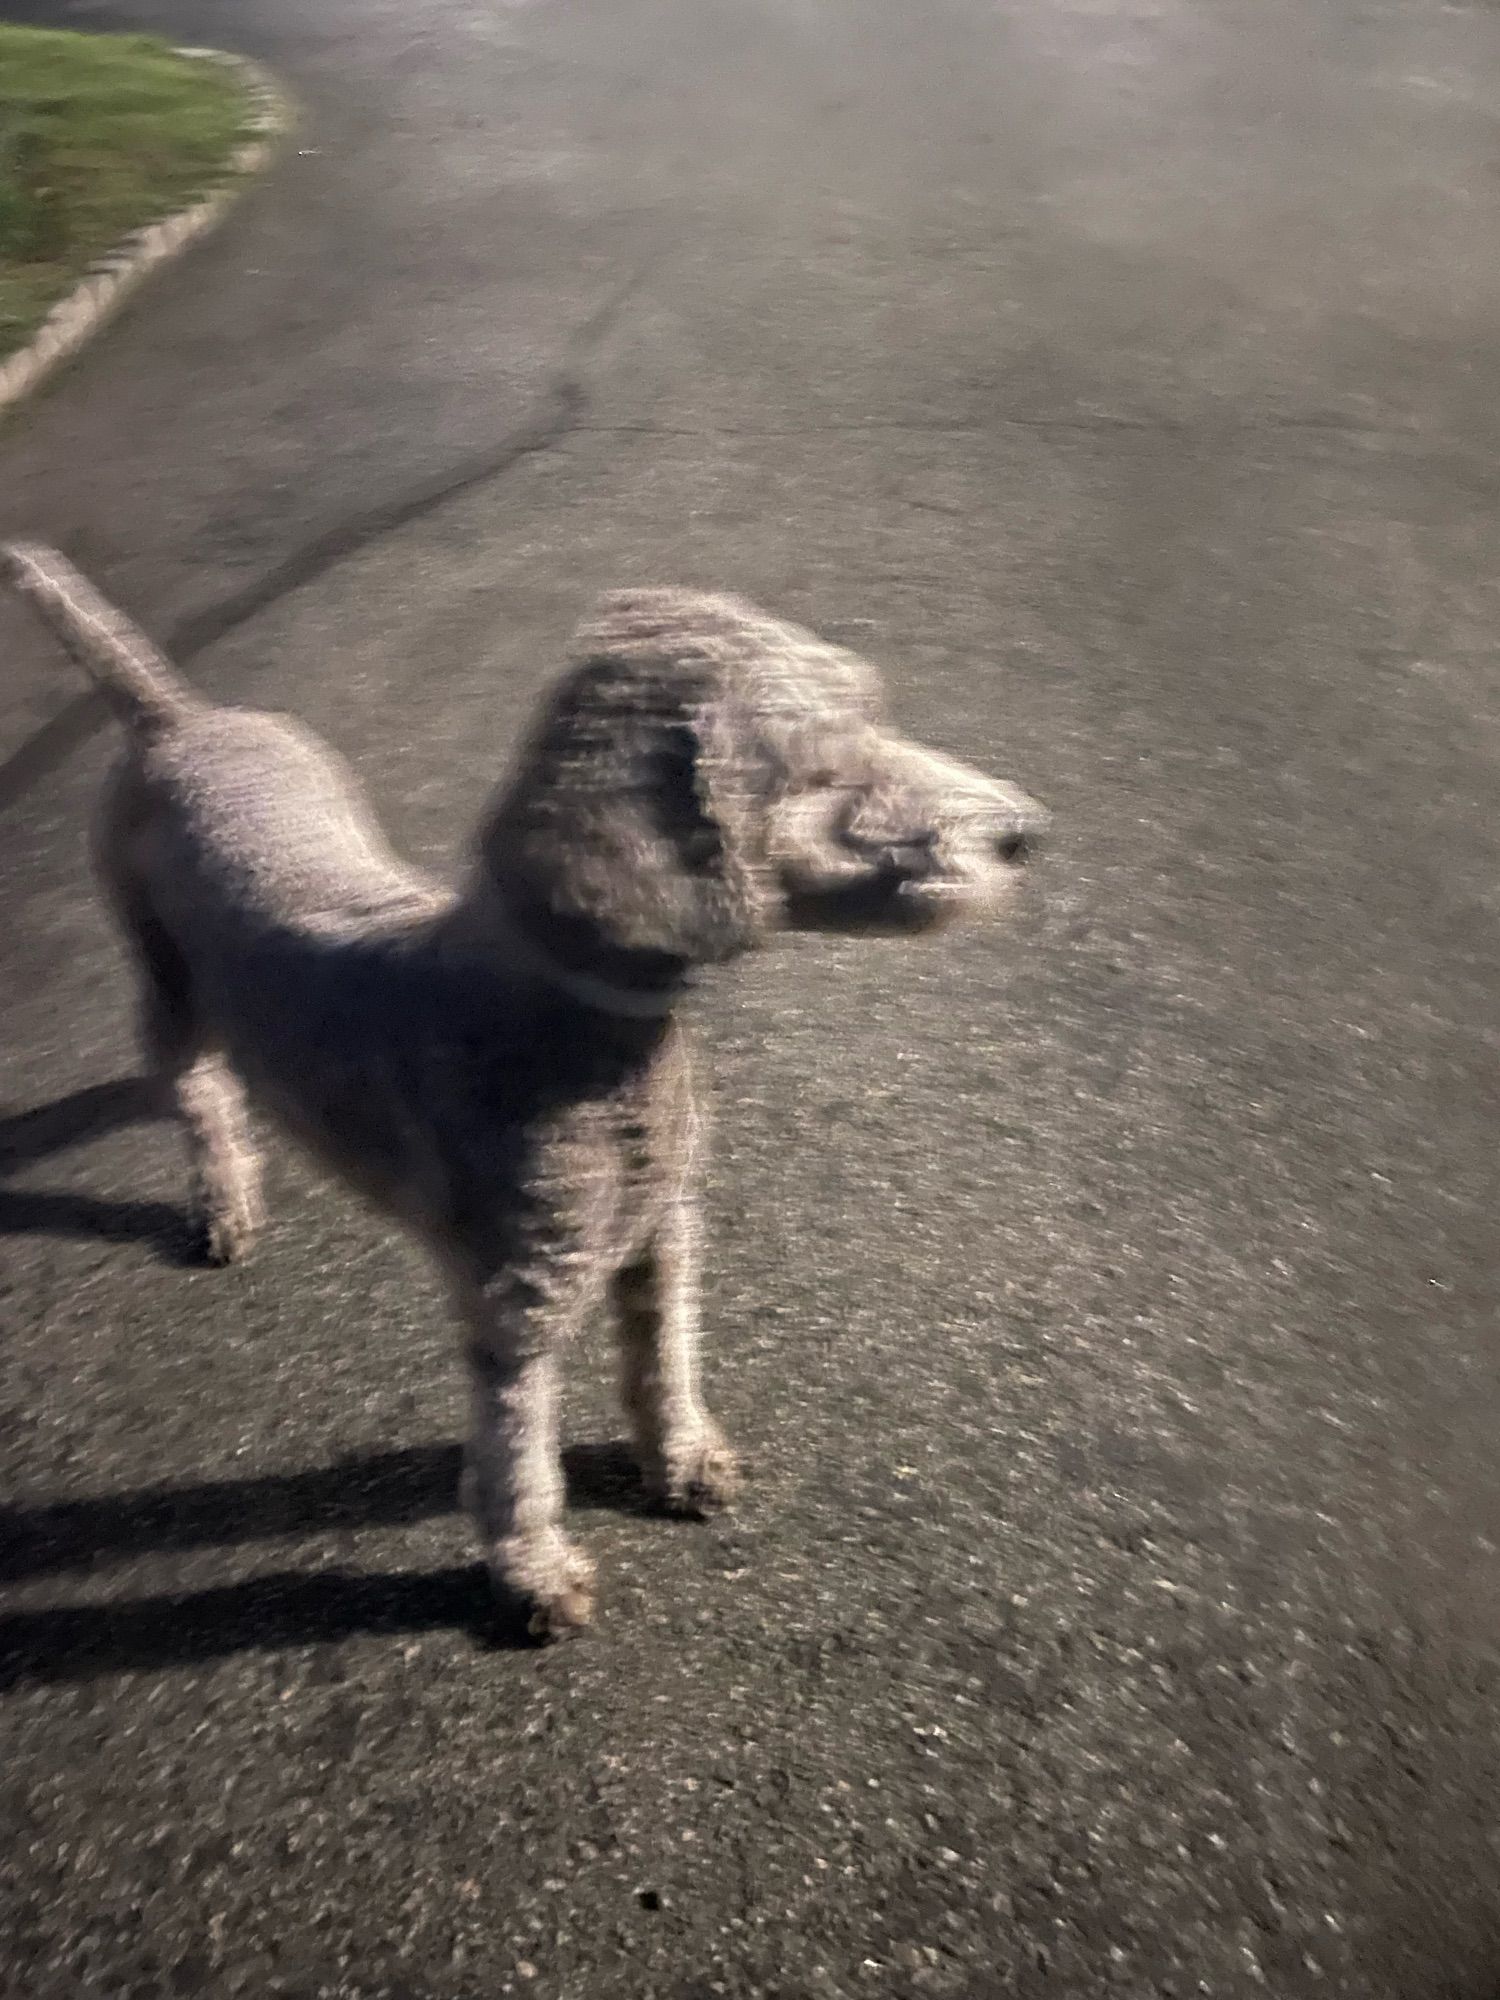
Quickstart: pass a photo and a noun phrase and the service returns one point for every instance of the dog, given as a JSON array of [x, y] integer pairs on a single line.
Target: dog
[[499, 1064]]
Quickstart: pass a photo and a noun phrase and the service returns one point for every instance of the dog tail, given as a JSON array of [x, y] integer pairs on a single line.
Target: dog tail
[[140, 685]]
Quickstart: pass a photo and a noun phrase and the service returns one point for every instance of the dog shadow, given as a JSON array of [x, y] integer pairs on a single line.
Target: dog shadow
[[48, 1129], [288, 1608]]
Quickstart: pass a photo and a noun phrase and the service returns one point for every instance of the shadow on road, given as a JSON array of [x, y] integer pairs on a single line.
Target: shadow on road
[[289, 1608], [45, 1212], [37, 1134], [67, 1121], [89, 1113], [79, 1642], [377, 1490]]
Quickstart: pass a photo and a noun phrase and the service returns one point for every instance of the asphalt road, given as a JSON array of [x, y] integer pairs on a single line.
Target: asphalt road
[[1106, 1304]]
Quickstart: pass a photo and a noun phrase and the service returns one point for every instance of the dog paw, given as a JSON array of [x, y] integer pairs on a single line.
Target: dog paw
[[696, 1478], [229, 1238], [229, 1221], [555, 1617], [544, 1592]]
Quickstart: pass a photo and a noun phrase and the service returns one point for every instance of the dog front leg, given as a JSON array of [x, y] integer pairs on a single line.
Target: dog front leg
[[683, 1457], [513, 1476]]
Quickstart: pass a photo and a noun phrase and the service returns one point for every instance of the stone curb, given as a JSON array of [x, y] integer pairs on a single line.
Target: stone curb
[[112, 279]]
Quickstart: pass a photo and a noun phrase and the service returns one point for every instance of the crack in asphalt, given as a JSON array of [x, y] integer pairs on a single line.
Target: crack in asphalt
[[560, 412], [1320, 424]]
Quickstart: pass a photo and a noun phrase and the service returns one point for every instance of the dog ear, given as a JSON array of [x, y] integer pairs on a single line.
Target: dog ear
[[632, 825]]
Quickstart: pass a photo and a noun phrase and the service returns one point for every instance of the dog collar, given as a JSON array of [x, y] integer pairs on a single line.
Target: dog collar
[[635, 1003]]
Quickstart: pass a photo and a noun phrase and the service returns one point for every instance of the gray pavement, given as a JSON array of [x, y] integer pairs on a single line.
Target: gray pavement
[[1106, 1305]]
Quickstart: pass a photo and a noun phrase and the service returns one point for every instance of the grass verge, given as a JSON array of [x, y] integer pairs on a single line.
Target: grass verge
[[99, 134]]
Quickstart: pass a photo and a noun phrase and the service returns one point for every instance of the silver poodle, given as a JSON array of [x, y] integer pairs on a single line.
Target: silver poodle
[[500, 1065]]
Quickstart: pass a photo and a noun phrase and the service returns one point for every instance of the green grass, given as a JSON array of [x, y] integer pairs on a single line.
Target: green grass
[[98, 134]]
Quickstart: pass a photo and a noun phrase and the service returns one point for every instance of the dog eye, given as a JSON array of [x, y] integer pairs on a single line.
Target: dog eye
[[702, 847]]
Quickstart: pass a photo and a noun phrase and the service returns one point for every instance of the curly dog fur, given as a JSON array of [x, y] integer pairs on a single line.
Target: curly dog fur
[[499, 1065]]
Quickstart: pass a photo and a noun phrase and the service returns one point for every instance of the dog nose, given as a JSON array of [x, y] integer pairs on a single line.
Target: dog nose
[[1016, 845], [1020, 829]]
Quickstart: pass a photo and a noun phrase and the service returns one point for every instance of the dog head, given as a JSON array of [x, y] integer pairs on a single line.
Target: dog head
[[706, 774]]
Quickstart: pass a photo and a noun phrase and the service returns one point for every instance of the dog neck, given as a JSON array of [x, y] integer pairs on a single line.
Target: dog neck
[[631, 986]]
